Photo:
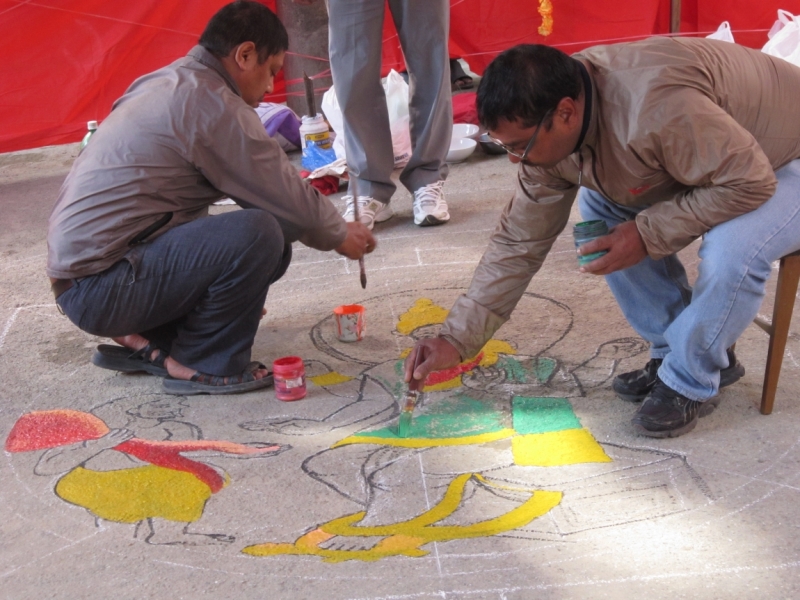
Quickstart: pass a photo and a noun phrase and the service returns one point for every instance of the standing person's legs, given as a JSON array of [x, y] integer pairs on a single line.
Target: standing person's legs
[[736, 261], [423, 27], [650, 294], [198, 290], [356, 28]]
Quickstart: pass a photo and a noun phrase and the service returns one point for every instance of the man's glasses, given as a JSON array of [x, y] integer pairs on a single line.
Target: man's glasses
[[532, 141]]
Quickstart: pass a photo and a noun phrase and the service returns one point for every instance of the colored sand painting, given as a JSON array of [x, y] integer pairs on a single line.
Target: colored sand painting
[[495, 444], [159, 488]]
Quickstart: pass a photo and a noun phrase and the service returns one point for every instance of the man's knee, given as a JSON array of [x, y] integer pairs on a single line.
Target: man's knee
[[258, 228], [260, 239], [727, 260]]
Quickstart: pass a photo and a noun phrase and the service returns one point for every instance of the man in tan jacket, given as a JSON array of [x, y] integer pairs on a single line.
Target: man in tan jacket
[[666, 140]]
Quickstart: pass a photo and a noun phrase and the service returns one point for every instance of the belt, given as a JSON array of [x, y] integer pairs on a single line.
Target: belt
[[59, 286]]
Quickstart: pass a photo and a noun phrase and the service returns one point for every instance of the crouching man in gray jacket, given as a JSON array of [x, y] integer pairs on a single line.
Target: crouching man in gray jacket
[[132, 252]]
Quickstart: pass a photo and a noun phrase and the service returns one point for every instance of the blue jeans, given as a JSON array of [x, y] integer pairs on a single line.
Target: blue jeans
[[196, 291], [692, 328]]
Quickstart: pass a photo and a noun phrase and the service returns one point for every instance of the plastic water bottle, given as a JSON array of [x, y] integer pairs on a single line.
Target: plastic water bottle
[[92, 127]]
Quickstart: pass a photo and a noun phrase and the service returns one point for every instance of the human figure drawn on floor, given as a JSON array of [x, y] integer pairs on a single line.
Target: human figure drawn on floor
[[134, 460], [511, 411]]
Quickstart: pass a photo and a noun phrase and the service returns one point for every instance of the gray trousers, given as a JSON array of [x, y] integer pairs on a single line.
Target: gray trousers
[[356, 28]]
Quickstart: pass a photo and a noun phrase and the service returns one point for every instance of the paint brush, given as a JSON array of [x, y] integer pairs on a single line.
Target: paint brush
[[311, 102], [354, 189], [410, 401]]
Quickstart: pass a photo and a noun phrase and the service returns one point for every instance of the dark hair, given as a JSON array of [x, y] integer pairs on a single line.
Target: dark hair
[[245, 21], [524, 82]]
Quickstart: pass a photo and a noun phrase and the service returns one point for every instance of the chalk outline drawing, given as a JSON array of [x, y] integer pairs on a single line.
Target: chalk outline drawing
[[511, 503], [366, 535]]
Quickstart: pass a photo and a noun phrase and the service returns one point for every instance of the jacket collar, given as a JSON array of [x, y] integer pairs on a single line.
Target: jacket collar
[[205, 57], [588, 135]]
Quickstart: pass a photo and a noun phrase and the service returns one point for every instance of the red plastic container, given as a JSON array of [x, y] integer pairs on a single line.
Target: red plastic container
[[289, 374]]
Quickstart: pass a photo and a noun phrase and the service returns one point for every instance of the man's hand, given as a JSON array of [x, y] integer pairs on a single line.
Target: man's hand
[[434, 354], [625, 249], [359, 241]]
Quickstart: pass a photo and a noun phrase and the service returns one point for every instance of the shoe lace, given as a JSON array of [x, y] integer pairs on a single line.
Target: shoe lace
[[663, 394], [429, 195], [652, 366]]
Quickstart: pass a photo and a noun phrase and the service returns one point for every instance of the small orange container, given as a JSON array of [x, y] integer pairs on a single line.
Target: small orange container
[[349, 322]]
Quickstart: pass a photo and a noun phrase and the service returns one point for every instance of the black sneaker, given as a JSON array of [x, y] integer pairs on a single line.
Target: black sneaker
[[666, 413], [635, 385]]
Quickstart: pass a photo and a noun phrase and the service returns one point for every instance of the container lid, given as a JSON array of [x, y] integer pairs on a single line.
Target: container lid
[[591, 228], [287, 363], [348, 309]]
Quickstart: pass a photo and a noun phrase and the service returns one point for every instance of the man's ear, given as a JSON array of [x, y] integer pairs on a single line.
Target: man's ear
[[245, 55], [567, 111]]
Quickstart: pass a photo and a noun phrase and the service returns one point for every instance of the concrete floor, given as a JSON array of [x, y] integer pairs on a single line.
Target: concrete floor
[[708, 515]]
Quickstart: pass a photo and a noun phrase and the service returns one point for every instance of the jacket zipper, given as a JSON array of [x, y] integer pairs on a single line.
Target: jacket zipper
[[596, 178]]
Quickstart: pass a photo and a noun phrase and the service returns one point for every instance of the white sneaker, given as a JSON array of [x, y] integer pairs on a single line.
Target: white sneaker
[[370, 211], [429, 205]]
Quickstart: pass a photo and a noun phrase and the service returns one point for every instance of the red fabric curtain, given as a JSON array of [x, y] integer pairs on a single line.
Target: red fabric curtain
[[481, 29], [64, 62]]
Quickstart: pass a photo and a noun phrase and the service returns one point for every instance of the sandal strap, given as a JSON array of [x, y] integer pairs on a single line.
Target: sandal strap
[[245, 376], [160, 357], [144, 355]]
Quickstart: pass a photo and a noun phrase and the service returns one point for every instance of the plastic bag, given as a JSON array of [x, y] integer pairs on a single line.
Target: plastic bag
[[316, 156], [722, 33], [333, 114], [784, 38], [396, 91]]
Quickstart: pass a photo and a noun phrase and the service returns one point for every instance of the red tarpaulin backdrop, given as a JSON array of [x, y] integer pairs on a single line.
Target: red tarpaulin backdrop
[[64, 62]]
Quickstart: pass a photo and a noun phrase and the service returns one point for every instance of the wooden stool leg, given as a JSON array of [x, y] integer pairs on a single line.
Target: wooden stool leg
[[785, 292]]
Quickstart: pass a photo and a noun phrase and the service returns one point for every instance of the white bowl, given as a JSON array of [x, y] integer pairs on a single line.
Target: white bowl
[[460, 149], [464, 130]]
